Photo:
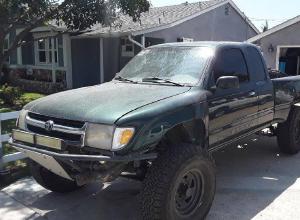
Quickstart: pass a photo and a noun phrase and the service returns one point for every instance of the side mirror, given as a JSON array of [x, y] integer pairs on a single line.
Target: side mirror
[[228, 82]]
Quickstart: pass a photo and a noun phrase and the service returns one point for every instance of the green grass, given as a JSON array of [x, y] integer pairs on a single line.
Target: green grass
[[30, 96], [3, 110]]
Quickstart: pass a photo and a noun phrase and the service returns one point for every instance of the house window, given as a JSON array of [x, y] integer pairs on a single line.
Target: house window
[[185, 39], [127, 48], [6, 47], [44, 49]]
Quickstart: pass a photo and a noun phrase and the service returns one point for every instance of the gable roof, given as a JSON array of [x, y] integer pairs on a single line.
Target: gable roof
[[275, 29], [160, 18]]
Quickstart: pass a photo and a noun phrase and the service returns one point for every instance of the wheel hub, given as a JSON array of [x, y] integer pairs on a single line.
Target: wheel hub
[[189, 193]]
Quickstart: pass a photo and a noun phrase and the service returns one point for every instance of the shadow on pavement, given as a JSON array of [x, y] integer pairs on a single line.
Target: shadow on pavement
[[250, 178]]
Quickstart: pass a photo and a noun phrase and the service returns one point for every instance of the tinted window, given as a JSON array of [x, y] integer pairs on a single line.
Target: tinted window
[[256, 66], [231, 62]]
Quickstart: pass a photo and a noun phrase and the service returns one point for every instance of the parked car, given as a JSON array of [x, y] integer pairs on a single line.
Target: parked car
[[159, 121]]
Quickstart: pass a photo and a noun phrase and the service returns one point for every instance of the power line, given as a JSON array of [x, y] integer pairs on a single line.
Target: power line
[[269, 19]]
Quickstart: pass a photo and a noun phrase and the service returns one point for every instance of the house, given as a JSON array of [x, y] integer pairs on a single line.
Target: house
[[96, 55], [281, 46]]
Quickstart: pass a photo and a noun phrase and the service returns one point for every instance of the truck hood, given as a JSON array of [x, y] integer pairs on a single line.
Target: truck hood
[[104, 103]]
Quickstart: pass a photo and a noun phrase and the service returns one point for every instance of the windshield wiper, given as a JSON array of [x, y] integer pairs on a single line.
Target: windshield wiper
[[160, 80], [120, 78]]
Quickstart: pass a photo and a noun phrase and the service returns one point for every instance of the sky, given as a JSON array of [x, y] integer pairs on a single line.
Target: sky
[[275, 11]]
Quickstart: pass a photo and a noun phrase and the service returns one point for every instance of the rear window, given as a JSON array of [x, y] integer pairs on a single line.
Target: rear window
[[256, 66]]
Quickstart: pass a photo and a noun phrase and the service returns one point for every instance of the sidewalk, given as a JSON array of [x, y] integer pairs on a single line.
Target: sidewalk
[[254, 181]]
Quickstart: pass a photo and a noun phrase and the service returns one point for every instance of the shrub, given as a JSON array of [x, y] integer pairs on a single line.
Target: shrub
[[9, 94]]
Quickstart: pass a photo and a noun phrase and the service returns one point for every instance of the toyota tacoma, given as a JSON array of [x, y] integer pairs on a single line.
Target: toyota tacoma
[[158, 121]]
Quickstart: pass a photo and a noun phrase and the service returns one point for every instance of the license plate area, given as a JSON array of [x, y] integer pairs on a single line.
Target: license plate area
[[36, 139]]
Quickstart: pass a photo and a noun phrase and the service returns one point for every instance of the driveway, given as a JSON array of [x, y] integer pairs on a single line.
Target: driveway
[[254, 181]]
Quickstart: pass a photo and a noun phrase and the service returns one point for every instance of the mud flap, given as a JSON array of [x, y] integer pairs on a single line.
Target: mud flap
[[46, 161]]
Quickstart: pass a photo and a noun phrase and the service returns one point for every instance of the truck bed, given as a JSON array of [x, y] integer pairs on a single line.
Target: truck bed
[[286, 93]]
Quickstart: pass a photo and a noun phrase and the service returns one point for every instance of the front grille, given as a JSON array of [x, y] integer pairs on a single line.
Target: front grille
[[59, 121], [68, 130], [56, 134]]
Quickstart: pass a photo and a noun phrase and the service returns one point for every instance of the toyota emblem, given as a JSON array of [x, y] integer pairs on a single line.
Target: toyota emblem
[[49, 125]]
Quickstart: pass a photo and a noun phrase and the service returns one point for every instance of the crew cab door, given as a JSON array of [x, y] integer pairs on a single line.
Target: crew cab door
[[231, 111]]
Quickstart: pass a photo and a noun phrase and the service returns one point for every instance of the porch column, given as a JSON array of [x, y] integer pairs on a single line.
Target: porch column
[[277, 57], [53, 60], [143, 41], [68, 60]]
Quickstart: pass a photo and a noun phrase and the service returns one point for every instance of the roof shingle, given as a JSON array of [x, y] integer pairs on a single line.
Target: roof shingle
[[155, 17]]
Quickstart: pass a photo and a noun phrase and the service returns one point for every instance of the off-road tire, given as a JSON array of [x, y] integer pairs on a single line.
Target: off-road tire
[[288, 134], [51, 181], [159, 188]]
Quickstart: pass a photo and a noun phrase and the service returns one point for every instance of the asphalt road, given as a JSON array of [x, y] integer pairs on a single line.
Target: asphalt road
[[254, 181]]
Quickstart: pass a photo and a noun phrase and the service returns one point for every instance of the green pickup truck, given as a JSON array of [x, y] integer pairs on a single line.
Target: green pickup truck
[[158, 121]]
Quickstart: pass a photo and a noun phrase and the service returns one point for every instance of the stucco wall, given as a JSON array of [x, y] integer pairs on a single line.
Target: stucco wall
[[85, 62], [287, 36], [211, 26]]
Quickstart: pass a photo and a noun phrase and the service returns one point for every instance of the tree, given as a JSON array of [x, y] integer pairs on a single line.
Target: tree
[[76, 15], [265, 27]]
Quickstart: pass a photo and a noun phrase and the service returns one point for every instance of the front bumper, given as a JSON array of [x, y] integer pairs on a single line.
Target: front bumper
[[36, 148], [80, 157], [32, 142]]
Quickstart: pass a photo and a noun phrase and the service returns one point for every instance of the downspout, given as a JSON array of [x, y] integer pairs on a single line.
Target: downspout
[[137, 43]]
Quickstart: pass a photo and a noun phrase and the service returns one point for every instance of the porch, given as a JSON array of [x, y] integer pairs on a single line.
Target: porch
[[44, 64]]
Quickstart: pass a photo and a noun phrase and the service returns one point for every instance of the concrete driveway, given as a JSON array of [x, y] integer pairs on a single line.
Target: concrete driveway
[[254, 181]]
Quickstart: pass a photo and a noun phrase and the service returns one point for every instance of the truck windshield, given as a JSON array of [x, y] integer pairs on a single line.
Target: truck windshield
[[178, 65]]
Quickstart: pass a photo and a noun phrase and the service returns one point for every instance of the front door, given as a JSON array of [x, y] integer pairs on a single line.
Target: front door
[[231, 111]]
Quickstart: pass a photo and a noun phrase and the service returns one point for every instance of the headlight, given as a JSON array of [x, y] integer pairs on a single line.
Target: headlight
[[99, 136], [122, 136], [21, 121], [107, 137]]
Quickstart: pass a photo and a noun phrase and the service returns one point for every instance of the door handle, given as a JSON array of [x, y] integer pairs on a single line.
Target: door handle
[[252, 94]]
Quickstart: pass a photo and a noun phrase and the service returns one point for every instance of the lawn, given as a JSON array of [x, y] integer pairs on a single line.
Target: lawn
[[30, 96], [15, 169]]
